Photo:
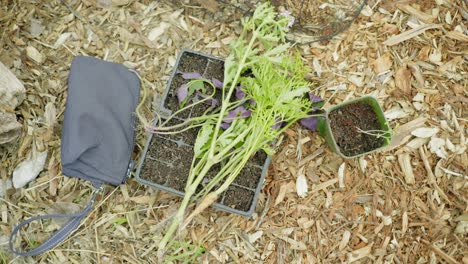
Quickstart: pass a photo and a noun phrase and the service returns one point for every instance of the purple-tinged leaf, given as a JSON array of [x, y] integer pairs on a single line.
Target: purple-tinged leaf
[[314, 98], [279, 124], [214, 103], [239, 111], [182, 92], [239, 93], [310, 123], [217, 83], [191, 75], [225, 125], [205, 181], [252, 102]]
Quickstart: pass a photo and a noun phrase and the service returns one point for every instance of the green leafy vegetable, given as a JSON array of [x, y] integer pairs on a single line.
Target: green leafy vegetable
[[274, 91]]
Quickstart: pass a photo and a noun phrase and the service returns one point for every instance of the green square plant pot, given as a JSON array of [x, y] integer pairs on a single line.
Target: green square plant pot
[[326, 131]]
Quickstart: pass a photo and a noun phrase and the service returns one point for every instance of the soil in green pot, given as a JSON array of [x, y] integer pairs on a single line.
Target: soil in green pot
[[348, 124]]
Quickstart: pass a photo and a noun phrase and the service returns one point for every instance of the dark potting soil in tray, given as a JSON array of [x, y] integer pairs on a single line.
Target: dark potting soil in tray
[[344, 123], [169, 157]]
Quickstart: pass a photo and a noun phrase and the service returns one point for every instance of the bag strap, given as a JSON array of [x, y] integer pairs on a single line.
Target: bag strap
[[60, 234]]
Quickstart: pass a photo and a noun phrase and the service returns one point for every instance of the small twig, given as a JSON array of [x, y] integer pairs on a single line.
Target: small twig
[[431, 177], [264, 212], [439, 252]]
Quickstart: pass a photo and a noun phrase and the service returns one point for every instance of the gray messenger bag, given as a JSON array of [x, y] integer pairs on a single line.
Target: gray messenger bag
[[98, 137]]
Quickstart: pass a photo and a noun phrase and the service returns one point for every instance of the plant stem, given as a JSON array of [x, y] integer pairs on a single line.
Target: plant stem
[[189, 191], [225, 102]]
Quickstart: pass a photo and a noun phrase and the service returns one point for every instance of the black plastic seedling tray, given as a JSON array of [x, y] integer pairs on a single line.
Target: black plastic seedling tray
[[166, 159]]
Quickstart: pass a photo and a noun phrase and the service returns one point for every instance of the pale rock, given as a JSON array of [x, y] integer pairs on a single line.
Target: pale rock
[[10, 129], [29, 169], [12, 93], [383, 63]]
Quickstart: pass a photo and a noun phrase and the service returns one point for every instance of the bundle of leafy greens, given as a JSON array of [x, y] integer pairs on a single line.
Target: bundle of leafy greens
[[271, 96]]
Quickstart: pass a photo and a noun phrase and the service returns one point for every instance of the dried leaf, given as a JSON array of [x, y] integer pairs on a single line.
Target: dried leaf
[[383, 63], [403, 80], [391, 29], [284, 189], [424, 53]]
